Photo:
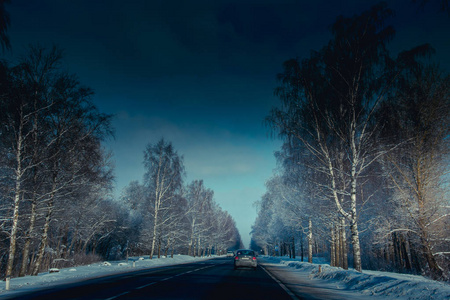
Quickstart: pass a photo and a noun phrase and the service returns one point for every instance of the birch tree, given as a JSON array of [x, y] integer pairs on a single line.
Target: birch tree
[[163, 178], [419, 115], [51, 138], [75, 157], [24, 103], [137, 199], [328, 107], [199, 205]]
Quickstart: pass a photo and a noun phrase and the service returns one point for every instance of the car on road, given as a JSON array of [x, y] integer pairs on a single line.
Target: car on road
[[245, 258], [230, 253]]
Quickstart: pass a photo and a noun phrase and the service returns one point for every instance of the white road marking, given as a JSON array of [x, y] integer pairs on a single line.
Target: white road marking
[[167, 278], [141, 287], [281, 284]]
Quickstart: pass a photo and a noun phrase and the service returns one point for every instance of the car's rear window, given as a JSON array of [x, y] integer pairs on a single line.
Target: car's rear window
[[245, 252]]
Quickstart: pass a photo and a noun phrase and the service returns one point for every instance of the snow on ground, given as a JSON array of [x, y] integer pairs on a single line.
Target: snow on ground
[[62, 276], [369, 284]]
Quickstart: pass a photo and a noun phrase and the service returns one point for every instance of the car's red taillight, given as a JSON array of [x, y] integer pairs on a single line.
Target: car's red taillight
[[236, 258], [254, 258]]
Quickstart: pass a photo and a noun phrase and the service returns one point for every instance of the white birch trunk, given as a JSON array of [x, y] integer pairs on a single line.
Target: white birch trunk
[[337, 247], [44, 237], [333, 248], [310, 242], [191, 239], [26, 248], [353, 216], [14, 228], [155, 229], [16, 203], [344, 245]]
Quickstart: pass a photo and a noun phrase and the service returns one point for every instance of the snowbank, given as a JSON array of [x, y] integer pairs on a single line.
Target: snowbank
[[373, 283]]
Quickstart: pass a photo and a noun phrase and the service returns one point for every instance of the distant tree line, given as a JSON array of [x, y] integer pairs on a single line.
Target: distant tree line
[[363, 170], [169, 217]]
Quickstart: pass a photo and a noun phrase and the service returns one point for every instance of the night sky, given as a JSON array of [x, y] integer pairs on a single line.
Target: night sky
[[201, 74]]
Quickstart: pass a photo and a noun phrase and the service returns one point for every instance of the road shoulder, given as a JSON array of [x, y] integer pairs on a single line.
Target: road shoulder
[[304, 287]]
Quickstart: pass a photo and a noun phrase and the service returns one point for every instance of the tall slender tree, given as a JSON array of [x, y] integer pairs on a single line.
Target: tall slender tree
[[164, 180], [25, 101], [328, 107], [418, 114], [199, 206]]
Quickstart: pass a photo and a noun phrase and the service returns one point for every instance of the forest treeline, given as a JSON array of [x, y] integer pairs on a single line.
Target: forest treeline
[[363, 169], [56, 178]]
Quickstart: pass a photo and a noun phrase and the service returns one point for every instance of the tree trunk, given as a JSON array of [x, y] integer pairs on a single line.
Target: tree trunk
[[14, 229], [414, 257], [338, 247], [155, 230], [397, 259], [44, 237], [26, 247], [293, 247], [192, 238], [159, 247], [356, 247], [166, 251], [310, 242], [302, 248], [73, 242], [354, 221], [344, 253], [64, 241], [405, 253], [436, 271], [333, 248], [17, 194]]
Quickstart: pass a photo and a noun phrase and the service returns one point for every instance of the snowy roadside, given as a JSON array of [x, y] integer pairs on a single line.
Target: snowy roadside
[[369, 284], [63, 276]]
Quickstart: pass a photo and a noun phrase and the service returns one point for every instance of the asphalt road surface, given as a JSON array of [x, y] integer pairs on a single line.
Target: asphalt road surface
[[211, 279]]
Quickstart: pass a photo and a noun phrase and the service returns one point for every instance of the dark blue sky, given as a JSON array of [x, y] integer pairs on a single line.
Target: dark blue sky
[[200, 73]]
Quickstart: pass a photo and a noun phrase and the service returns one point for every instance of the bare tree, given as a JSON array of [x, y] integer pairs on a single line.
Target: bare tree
[[51, 138], [199, 206], [163, 177], [419, 115], [329, 102], [25, 101], [75, 156]]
